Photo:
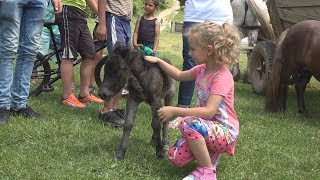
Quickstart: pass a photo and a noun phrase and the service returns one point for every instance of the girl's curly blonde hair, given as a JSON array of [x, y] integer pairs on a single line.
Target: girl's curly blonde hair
[[225, 39]]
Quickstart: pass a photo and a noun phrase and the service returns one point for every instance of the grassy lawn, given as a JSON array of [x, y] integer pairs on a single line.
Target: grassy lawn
[[73, 144]]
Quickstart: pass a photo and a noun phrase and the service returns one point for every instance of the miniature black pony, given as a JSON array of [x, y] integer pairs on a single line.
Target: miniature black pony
[[146, 82]]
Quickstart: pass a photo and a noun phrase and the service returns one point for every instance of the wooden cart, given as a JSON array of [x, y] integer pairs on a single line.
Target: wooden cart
[[283, 14]]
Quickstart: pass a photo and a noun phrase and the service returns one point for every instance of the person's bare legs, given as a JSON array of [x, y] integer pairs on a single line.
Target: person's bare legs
[[85, 76], [66, 70], [200, 152]]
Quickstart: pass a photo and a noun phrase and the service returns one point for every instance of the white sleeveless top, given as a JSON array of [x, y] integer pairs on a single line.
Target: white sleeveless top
[[218, 11]]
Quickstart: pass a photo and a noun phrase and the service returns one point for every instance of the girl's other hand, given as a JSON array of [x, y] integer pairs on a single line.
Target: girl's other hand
[[166, 113], [151, 59]]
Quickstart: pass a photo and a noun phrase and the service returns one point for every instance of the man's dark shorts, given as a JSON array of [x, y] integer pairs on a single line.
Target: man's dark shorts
[[75, 34]]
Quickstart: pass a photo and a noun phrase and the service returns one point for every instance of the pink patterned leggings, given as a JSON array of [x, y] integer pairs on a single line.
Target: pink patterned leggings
[[180, 153]]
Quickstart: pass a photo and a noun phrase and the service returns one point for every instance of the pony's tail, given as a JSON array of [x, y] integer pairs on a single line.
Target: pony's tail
[[274, 103], [260, 10]]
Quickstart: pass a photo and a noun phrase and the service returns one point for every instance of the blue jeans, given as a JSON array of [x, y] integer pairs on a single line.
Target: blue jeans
[[186, 88], [21, 25]]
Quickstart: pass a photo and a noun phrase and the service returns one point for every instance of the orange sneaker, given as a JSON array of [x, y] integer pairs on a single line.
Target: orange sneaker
[[72, 101], [90, 98]]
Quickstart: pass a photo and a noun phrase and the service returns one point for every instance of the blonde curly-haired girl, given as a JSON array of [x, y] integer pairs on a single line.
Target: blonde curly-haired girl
[[212, 127]]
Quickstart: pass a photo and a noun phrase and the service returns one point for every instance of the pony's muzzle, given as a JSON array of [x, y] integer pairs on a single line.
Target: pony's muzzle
[[104, 96]]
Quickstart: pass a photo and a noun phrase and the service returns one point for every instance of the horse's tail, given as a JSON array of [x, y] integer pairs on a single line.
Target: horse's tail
[[276, 96], [260, 10]]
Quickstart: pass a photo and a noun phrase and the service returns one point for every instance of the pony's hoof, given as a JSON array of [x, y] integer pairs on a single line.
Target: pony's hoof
[[246, 78], [119, 155], [160, 156], [306, 114], [236, 78], [160, 152]]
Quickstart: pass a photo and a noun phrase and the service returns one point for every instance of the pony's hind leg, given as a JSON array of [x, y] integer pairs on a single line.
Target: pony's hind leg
[[300, 87], [131, 110], [156, 126]]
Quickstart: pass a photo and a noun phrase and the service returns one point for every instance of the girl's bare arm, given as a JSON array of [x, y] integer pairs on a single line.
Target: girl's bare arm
[[207, 112], [172, 71]]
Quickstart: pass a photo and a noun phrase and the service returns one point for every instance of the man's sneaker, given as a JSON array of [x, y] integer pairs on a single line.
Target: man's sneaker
[[27, 112], [72, 101], [4, 116], [90, 98], [202, 173], [111, 118]]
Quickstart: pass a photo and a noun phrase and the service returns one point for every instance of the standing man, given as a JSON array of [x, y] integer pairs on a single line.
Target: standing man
[[114, 25], [20, 30], [198, 11], [76, 39]]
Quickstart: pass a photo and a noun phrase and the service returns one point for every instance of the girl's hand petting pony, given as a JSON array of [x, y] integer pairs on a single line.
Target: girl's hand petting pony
[[166, 113]]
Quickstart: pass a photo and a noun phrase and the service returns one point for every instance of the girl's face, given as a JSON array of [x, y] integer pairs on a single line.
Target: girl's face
[[198, 53], [149, 7]]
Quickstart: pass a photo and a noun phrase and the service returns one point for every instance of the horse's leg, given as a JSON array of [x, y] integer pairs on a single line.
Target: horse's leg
[[168, 99], [131, 109], [252, 39], [246, 74], [238, 8], [300, 87], [235, 71], [156, 126]]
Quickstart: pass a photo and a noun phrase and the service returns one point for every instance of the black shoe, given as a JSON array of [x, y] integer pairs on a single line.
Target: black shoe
[[112, 118], [4, 116], [120, 112], [27, 112]]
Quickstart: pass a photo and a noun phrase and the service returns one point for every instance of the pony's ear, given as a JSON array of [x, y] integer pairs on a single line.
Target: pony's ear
[[121, 48]]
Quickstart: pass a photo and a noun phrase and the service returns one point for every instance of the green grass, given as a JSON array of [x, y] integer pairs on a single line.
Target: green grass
[[73, 144]]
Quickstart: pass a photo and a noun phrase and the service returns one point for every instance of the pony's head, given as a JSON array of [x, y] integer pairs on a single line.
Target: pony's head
[[116, 73]]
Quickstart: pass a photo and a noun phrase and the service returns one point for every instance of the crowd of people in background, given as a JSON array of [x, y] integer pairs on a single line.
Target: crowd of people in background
[[207, 130]]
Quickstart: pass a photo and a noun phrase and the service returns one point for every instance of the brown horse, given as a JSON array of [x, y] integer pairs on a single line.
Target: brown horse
[[296, 59]]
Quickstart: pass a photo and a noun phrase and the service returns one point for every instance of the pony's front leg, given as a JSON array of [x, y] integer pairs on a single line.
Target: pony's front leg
[[156, 126], [168, 99], [131, 109]]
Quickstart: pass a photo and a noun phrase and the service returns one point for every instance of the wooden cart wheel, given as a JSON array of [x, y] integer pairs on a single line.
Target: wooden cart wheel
[[260, 65]]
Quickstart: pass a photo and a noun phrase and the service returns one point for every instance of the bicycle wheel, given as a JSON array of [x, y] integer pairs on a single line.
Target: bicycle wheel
[[97, 71], [40, 76]]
